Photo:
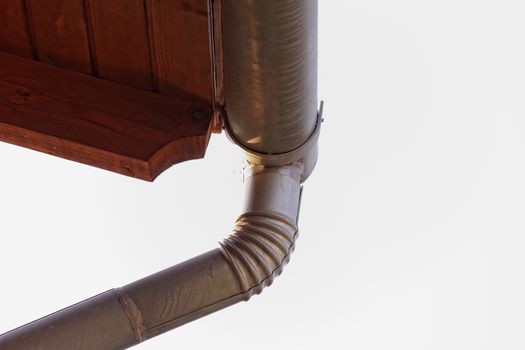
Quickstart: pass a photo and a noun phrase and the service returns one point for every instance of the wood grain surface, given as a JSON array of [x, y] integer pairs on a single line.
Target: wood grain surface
[[120, 41], [15, 34], [179, 35], [60, 33], [156, 45], [98, 122]]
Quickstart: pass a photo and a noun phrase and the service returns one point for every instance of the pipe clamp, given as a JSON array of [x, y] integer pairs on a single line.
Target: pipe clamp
[[279, 159]]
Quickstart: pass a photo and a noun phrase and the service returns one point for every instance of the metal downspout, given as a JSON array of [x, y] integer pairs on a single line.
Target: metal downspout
[[270, 99]]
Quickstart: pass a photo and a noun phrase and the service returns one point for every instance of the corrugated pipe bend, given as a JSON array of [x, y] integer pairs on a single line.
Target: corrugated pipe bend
[[247, 261]]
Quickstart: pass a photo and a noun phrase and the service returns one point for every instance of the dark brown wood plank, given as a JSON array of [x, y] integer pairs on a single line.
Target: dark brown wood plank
[[98, 122], [15, 35], [179, 32], [60, 35], [119, 39]]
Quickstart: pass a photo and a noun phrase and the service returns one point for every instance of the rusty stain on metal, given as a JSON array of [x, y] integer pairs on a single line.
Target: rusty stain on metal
[[132, 311]]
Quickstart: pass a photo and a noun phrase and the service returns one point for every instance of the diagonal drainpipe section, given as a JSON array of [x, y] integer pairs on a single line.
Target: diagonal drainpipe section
[[270, 111]]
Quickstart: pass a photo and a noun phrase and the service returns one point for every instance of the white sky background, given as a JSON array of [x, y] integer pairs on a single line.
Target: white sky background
[[412, 227]]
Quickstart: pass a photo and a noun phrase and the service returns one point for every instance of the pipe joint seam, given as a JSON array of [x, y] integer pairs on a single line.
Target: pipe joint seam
[[279, 159]]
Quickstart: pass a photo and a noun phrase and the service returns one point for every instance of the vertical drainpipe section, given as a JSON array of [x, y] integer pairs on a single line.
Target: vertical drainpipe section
[[269, 51], [270, 66], [270, 73]]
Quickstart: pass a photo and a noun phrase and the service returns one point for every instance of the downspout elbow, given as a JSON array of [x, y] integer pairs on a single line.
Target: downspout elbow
[[264, 236]]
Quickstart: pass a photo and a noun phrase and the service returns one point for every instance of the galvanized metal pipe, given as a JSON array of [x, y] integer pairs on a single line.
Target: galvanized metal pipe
[[247, 261], [270, 74], [270, 109]]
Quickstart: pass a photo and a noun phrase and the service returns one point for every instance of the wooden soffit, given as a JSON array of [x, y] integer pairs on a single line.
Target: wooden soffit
[[124, 85]]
